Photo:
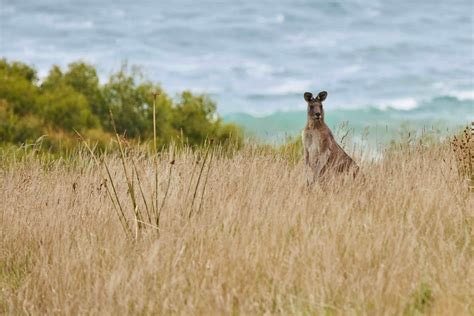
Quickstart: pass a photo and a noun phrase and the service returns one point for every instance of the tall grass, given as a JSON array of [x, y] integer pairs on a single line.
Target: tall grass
[[463, 147], [239, 233]]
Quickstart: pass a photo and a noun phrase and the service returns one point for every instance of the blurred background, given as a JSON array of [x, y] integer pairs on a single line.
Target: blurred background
[[385, 64]]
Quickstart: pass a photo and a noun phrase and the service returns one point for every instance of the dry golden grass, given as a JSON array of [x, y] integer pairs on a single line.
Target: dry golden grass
[[397, 240], [463, 148]]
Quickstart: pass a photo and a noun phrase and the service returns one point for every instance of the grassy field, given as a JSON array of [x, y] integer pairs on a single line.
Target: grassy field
[[238, 234]]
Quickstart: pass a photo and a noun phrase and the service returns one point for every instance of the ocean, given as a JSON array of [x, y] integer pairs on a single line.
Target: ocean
[[384, 63]]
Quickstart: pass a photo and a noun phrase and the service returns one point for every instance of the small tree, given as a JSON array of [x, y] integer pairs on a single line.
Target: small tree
[[83, 78]]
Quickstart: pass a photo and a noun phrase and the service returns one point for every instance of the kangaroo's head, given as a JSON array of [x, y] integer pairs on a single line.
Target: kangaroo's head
[[315, 107]]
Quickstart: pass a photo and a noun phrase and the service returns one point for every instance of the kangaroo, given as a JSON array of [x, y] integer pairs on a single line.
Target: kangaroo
[[321, 151]]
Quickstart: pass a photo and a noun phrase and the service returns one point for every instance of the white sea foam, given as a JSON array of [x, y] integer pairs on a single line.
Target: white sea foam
[[276, 19], [350, 70], [302, 40], [69, 25], [289, 87], [463, 95], [403, 104], [280, 18], [257, 69]]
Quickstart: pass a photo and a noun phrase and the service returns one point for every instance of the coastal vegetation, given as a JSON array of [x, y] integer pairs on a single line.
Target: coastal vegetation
[[74, 99], [183, 217]]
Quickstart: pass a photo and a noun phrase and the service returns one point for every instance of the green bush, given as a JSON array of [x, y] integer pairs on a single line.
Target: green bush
[[18, 87], [83, 78], [64, 108], [75, 100], [8, 121], [194, 117]]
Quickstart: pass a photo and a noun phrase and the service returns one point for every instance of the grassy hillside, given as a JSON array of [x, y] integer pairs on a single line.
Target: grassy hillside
[[239, 233]]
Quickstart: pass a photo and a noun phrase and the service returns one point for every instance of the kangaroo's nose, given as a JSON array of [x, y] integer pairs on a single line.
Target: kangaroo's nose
[[317, 114]]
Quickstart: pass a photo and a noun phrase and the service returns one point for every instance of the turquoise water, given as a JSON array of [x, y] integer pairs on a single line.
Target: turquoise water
[[438, 117], [382, 62]]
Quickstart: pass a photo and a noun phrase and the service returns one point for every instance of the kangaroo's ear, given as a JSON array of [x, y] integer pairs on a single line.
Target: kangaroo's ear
[[308, 96], [322, 96]]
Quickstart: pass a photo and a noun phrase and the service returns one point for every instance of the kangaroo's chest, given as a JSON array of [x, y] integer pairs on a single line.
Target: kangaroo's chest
[[312, 144]]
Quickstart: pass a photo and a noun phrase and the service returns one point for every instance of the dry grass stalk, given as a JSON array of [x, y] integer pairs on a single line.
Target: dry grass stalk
[[119, 210], [207, 177], [131, 188], [155, 160], [191, 209]]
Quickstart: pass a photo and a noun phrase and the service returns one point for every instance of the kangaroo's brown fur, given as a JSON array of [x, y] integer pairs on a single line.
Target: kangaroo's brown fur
[[321, 151]]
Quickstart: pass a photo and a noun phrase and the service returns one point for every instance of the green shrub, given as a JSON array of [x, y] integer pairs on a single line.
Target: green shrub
[[64, 108], [83, 79], [28, 129], [75, 100], [7, 121], [17, 86]]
